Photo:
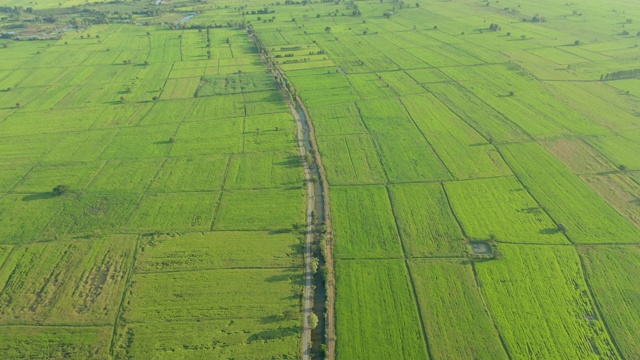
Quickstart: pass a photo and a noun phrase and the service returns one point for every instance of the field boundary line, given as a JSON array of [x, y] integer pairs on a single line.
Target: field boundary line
[[4, 264], [424, 136], [218, 268], [596, 304], [216, 211], [466, 90], [486, 309], [408, 268], [526, 188], [120, 314]]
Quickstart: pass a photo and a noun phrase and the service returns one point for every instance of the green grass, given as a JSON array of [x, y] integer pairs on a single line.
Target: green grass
[[426, 223], [174, 211], [351, 159], [235, 83], [81, 146], [140, 142], [541, 304], [618, 149], [405, 154], [501, 207], [268, 209], [372, 296], [84, 213], [239, 339], [24, 217], [94, 272], [167, 112], [44, 177], [337, 120], [569, 200], [224, 249], [613, 275], [126, 175], [33, 342], [465, 153], [202, 173], [363, 224], [457, 321], [213, 295], [264, 170]]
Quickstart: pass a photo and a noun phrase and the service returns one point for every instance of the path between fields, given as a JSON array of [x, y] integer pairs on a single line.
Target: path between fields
[[308, 273]]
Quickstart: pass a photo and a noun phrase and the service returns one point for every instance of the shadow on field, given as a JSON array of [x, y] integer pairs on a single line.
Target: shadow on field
[[278, 278], [292, 161], [280, 231], [274, 334], [40, 196], [549, 231]]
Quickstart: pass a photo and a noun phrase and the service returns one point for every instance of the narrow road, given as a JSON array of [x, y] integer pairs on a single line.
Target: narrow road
[[308, 273]]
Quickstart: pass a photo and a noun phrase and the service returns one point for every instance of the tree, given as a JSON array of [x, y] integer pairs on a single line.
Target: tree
[[122, 99], [562, 228], [511, 93], [364, 32], [61, 189], [523, 37], [313, 321], [577, 42], [18, 105], [327, 29], [622, 167]]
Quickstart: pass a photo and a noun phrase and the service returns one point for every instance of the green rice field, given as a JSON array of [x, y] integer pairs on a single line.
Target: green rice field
[[481, 160]]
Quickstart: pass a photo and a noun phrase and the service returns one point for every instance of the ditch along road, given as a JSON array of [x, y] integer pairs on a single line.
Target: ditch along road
[[314, 302], [308, 271], [318, 300]]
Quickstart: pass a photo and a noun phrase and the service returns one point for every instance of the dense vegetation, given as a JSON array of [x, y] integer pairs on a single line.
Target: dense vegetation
[[482, 162]]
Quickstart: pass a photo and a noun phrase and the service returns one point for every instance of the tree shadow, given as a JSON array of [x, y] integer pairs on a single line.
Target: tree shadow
[[549, 231], [272, 319], [276, 278], [291, 161], [39, 196], [280, 231], [274, 334]]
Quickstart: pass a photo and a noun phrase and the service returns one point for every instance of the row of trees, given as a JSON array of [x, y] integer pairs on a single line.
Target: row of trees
[[622, 74]]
